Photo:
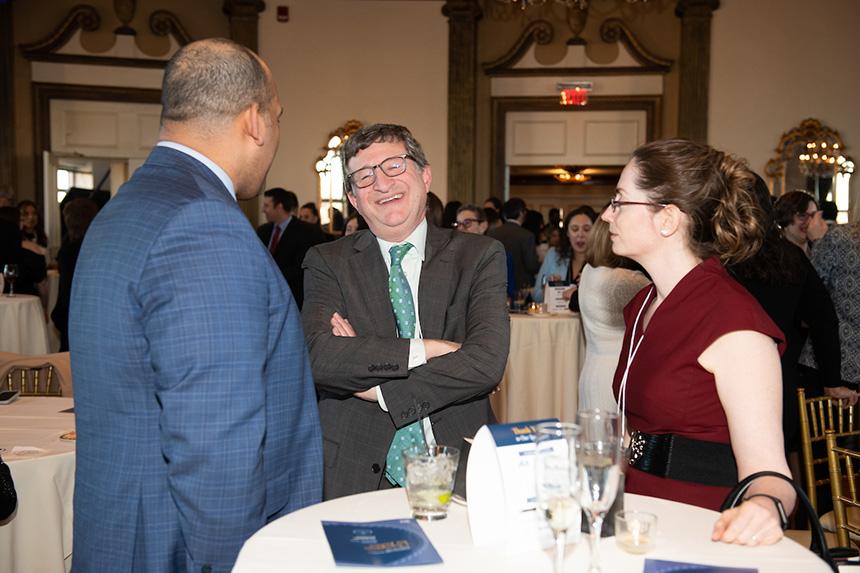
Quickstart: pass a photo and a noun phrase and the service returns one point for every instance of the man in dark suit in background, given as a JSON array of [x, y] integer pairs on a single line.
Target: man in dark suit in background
[[287, 238], [405, 322], [518, 242], [194, 404]]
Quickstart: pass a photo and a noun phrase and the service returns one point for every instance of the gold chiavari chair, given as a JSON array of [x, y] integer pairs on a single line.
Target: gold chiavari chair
[[33, 381], [844, 466], [817, 416]]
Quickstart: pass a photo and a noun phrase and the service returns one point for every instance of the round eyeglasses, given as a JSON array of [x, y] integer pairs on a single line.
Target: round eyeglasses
[[392, 167]]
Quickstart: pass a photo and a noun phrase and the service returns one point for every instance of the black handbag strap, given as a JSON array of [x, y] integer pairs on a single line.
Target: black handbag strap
[[818, 544]]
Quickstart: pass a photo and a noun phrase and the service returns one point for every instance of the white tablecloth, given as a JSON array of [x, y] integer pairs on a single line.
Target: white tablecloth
[[542, 375], [297, 542], [38, 537], [22, 325]]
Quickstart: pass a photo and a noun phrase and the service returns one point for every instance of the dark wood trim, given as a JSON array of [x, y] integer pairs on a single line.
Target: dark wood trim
[[44, 93], [164, 23], [463, 16], [538, 32], [591, 71], [7, 99], [98, 60], [694, 66], [612, 30], [84, 17], [81, 17], [615, 30], [501, 106]]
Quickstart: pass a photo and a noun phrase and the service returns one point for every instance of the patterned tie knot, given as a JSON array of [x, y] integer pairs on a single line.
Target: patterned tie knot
[[397, 252]]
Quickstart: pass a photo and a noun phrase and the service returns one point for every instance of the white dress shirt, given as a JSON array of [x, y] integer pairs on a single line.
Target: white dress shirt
[[213, 167], [411, 265]]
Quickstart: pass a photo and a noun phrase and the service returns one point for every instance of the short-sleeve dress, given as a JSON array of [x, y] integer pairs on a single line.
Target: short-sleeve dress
[[668, 391]]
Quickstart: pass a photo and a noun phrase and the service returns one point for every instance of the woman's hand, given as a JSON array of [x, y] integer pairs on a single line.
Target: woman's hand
[[568, 292], [846, 396], [754, 522]]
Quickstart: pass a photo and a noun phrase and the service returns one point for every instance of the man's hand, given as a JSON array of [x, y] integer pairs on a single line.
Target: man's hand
[[368, 395], [846, 396], [435, 348], [341, 327]]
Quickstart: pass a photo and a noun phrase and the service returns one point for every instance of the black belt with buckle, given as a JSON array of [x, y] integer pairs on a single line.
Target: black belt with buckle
[[686, 459]]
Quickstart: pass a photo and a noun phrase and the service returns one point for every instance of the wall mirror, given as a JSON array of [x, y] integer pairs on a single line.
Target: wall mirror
[[812, 157]]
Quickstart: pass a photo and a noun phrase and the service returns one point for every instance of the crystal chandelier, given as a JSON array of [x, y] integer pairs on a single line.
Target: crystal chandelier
[[580, 4], [821, 158]]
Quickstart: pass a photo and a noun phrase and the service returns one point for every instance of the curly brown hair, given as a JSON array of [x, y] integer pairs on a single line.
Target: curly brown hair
[[711, 188]]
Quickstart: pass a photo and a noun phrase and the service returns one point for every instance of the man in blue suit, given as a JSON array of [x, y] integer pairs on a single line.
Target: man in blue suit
[[196, 415]]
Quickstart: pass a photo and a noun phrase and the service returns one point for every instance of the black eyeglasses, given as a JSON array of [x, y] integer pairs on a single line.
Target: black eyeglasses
[[466, 223], [392, 167], [615, 204]]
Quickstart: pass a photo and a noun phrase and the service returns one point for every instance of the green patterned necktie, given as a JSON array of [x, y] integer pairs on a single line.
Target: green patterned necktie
[[404, 313]]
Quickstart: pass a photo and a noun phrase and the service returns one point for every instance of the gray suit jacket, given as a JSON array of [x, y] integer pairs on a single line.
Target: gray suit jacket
[[520, 243], [461, 297]]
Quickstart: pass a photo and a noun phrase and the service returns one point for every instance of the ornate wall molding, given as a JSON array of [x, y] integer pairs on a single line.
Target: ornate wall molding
[[613, 30], [85, 18], [538, 32]]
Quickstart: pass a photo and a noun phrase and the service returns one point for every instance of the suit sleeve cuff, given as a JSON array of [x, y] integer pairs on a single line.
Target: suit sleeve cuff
[[417, 353]]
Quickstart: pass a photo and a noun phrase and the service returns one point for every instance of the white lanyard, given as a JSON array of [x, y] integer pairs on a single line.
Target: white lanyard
[[632, 349]]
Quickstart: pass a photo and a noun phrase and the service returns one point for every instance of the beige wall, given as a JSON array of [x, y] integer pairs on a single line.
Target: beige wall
[[374, 61], [777, 62]]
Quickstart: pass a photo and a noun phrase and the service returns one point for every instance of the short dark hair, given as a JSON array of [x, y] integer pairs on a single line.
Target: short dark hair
[[313, 208], [491, 215], [213, 78], [479, 212], [497, 203], [282, 197], [513, 208], [829, 210], [791, 204], [78, 214], [376, 133]]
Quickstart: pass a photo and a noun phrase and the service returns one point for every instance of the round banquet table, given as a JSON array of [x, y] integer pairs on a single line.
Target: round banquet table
[[22, 325], [296, 542], [541, 378], [38, 536]]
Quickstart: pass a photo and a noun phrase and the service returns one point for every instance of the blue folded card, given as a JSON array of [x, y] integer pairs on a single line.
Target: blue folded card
[[660, 566], [391, 543]]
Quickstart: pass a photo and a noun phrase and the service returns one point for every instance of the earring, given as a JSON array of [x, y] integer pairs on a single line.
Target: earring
[[664, 232]]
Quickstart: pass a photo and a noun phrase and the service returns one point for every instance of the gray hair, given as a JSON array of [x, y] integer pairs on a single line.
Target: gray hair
[[376, 133], [213, 79]]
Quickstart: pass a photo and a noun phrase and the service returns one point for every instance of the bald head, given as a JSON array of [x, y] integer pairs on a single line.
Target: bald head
[[211, 80]]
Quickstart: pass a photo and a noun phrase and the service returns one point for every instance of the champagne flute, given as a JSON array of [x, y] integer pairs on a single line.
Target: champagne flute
[[557, 481], [599, 472], [10, 271]]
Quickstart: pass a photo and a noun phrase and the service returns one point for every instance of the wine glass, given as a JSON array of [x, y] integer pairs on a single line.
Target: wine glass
[[599, 471], [10, 272], [557, 481]]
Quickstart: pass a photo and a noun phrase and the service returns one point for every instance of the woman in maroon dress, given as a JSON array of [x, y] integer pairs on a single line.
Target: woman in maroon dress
[[699, 374]]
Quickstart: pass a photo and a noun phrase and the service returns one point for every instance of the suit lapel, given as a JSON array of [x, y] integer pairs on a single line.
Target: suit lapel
[[369, 273], [436, 278]]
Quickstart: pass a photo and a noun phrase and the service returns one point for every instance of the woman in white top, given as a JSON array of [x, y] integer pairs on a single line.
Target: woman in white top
[[605, 288]]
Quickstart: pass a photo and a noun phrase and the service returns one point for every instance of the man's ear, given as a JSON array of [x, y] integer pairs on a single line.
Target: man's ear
[[351, 197], [427, 177], [252, 122]]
